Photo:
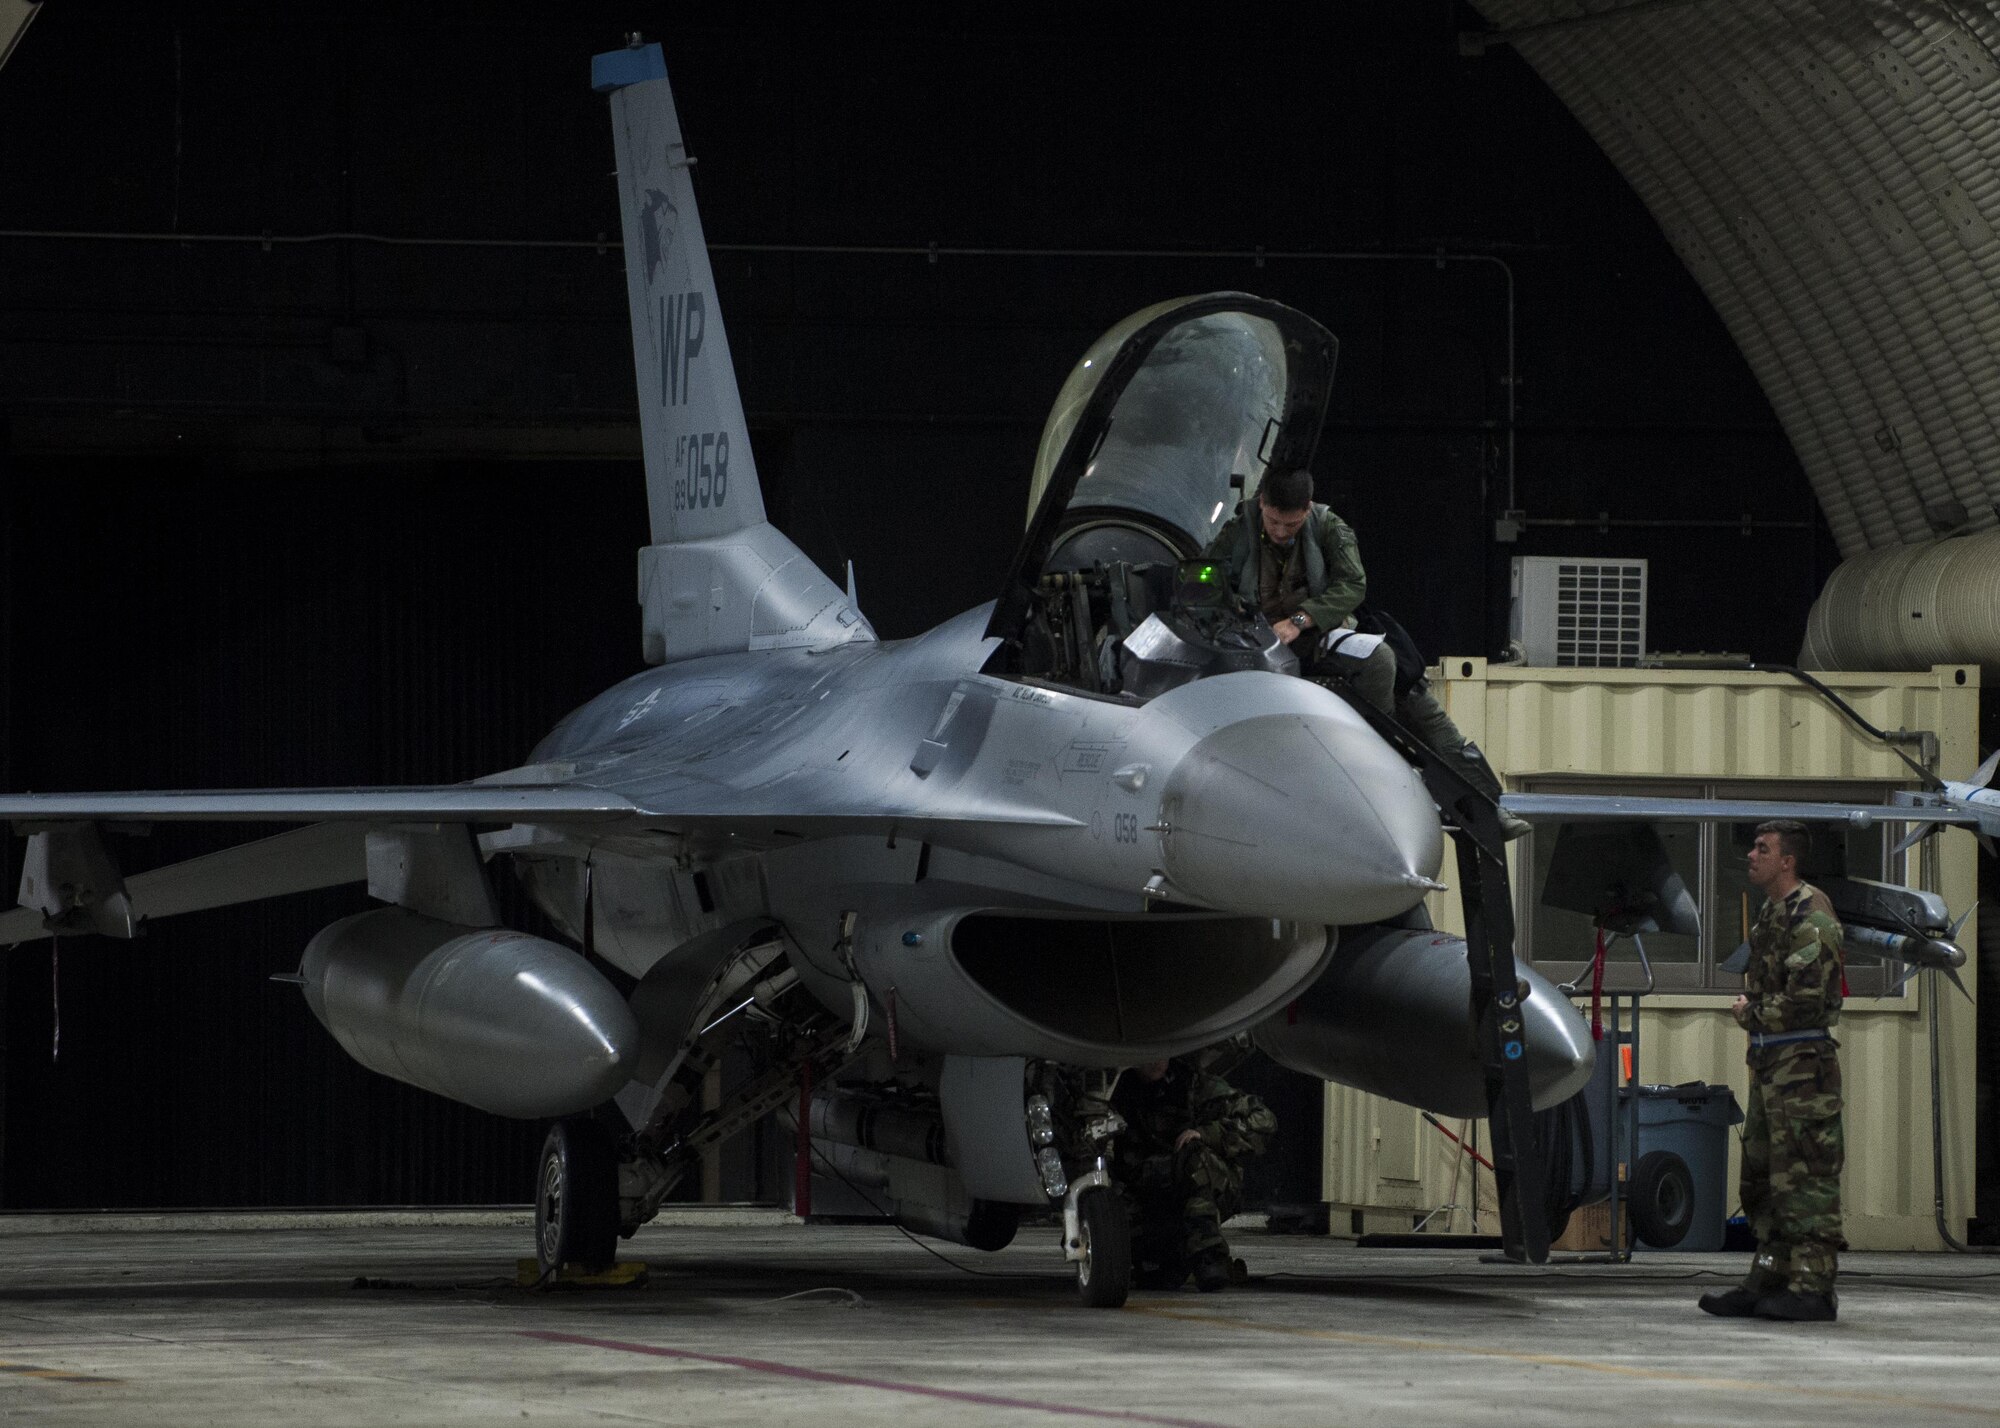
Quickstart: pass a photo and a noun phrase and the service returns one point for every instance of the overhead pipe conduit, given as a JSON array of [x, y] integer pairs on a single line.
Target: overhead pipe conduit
[[1829, 171]]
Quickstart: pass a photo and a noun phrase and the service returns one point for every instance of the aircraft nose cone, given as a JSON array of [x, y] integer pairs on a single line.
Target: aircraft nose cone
[[1305, 816]]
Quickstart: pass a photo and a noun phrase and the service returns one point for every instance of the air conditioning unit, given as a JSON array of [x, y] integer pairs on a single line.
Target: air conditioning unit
[[1578, 611]]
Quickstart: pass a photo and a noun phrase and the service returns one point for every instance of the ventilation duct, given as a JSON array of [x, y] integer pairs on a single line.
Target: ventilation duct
[[1910, 607]]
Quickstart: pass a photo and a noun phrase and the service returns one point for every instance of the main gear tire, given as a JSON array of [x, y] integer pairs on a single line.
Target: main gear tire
[[1662, 1199], [1104, 1273], [576, 1198]]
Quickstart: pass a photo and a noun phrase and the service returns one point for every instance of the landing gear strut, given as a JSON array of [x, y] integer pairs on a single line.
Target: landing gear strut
[[1070, 1127], [594, 1188]]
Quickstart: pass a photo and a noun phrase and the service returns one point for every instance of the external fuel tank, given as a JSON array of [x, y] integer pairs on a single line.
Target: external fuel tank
[[497, 1019], [1392, 1014]]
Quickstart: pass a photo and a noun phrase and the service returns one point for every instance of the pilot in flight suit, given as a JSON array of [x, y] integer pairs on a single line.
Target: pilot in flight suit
[[1297, 562]]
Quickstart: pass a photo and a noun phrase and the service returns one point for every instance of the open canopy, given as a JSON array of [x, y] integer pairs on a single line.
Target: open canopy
[[1170, 419]]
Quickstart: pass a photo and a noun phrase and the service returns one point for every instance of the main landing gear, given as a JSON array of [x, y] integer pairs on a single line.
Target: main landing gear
[[595, 1184], [576, 1198]]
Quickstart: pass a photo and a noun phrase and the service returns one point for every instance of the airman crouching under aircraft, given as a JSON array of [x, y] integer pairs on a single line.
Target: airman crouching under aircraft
[[1310, 590], [1180, 1165]]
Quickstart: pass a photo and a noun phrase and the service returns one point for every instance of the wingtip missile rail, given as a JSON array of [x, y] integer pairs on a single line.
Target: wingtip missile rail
[[1897, 924]]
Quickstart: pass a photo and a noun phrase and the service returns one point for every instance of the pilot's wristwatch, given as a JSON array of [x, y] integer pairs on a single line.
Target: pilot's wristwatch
[[1302, 620]]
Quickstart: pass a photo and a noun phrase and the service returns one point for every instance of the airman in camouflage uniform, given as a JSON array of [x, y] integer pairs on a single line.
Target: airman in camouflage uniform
[[1179, 1163], [1297, 562], [1793, 1149]]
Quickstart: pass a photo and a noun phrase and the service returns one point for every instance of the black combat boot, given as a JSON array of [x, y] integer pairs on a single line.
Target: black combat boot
[[1737, 1303], [1741, 1301], [1211, 1271], [1799, 1306]]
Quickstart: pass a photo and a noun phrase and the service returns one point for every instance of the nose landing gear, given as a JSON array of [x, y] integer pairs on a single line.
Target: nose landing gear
[[1101, 1245]]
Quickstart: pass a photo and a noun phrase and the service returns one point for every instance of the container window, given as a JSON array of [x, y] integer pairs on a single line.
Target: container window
[[1710, 859]]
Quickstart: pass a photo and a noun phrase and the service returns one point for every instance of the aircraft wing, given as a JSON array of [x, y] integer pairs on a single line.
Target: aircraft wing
[[448, 803], [333, 849], [304, 860], [328, 853], [1591, 807]]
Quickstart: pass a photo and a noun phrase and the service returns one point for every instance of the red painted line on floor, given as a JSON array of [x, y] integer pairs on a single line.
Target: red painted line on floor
[[52, 1375], [989, 1400]]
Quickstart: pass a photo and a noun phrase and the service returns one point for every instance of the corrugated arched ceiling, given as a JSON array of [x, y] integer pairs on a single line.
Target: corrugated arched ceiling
[[1829, 171]]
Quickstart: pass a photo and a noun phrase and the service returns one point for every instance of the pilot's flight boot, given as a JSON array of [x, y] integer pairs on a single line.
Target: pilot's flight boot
[[1477, 772]]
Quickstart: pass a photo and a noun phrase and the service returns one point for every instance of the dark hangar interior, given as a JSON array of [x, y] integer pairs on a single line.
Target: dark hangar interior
[[313, 331]]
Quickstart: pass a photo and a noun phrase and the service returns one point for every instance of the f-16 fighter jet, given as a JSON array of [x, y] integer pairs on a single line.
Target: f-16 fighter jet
[[946, 885]]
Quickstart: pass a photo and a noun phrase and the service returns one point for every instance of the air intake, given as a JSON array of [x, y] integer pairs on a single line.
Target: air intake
[[1582, 613]]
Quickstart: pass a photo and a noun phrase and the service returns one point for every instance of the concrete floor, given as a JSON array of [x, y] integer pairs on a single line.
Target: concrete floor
[[300, 1320]]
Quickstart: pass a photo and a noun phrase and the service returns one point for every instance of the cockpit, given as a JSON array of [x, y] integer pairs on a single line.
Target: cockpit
[[1162, 431]]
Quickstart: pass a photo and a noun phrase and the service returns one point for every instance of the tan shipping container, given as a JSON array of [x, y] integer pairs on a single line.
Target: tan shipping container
[[1734, 734]]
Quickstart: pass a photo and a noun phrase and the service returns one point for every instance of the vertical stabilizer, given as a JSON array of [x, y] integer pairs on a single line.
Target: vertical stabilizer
[[717, 576], [700, 477]]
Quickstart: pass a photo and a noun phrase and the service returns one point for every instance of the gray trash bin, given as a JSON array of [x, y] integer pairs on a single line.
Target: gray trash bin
[[1680, 1176]]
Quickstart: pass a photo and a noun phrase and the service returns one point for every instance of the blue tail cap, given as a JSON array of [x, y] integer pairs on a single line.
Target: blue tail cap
[[614, 69]]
